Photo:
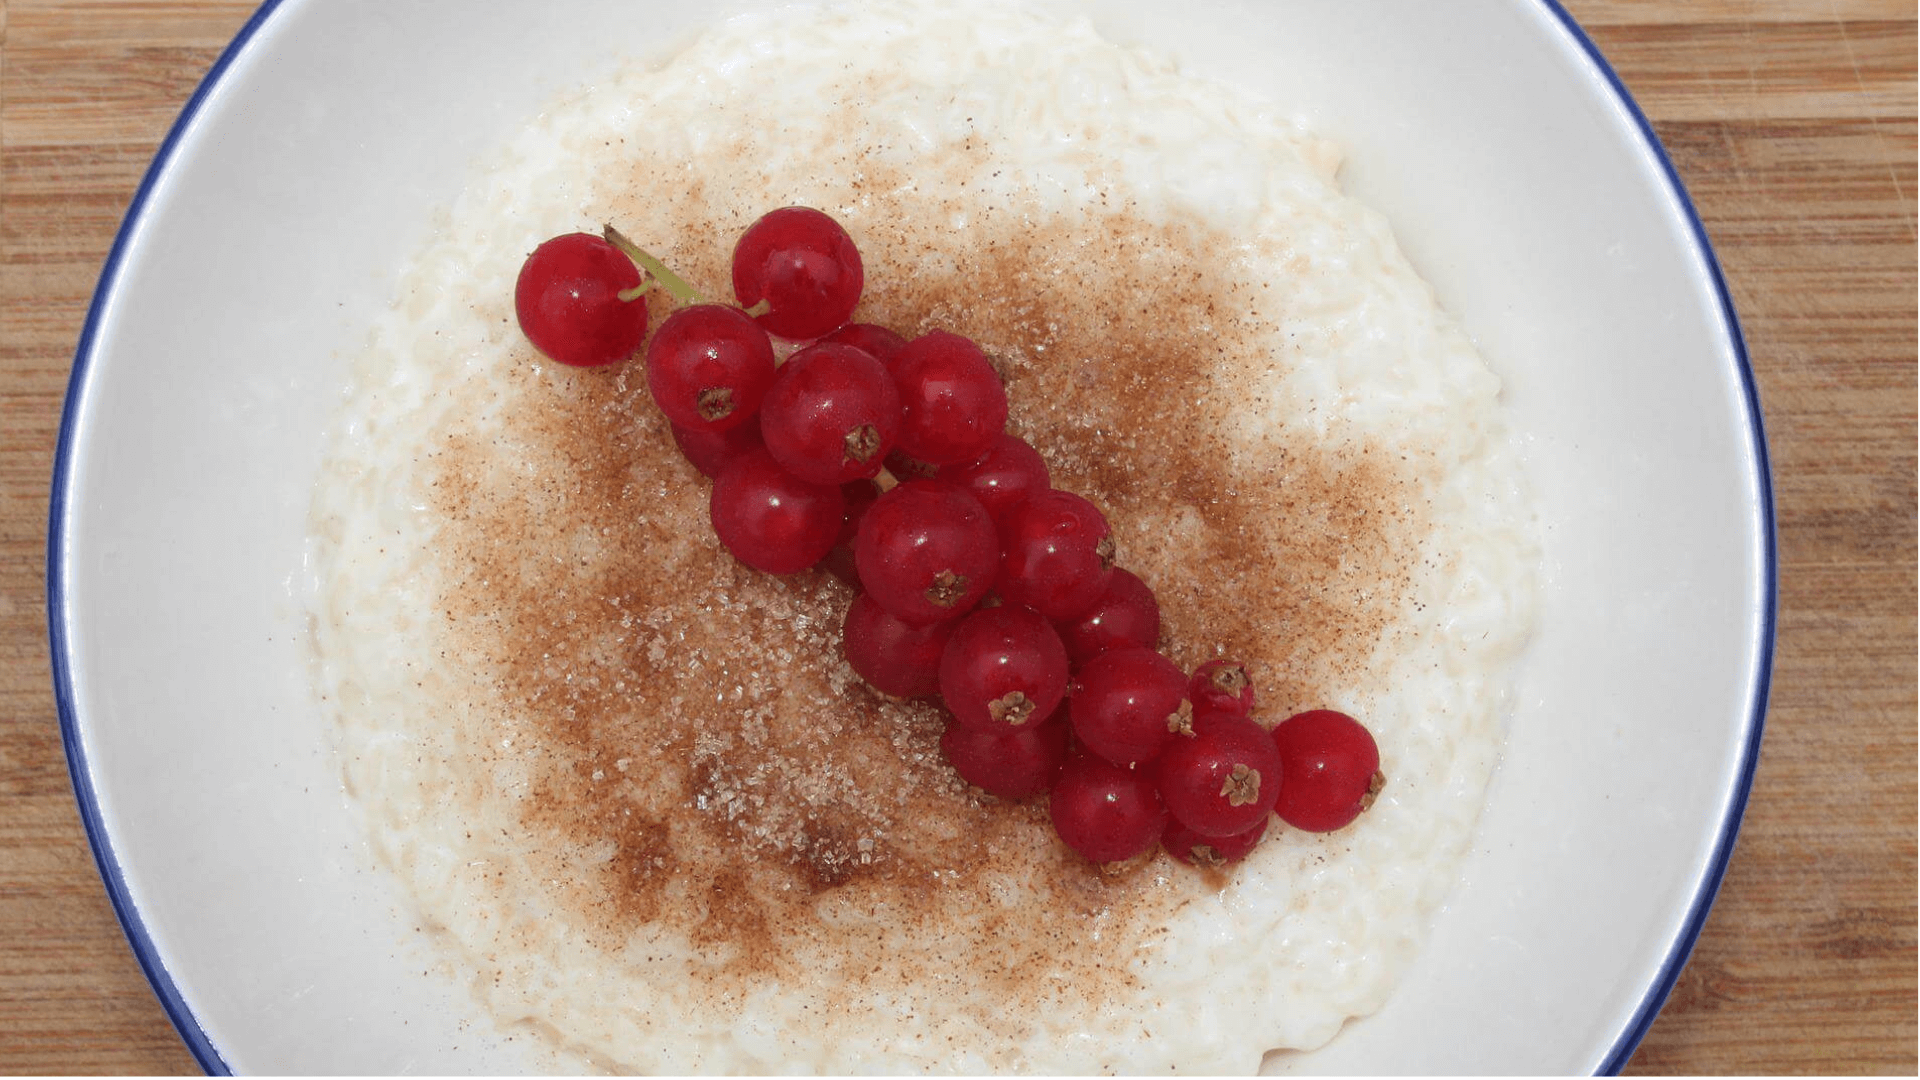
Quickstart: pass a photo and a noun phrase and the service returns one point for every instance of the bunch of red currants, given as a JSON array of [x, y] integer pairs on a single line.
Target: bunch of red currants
[[979, 583]]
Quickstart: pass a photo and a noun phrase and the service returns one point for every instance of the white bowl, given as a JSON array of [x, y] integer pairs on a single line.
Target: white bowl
[[1520, 178]]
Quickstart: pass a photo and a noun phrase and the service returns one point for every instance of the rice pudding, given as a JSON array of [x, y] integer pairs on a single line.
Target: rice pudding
[[641, 802]]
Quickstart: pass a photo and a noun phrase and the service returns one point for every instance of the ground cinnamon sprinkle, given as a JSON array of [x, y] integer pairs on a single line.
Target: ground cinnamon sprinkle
[[698, 734]]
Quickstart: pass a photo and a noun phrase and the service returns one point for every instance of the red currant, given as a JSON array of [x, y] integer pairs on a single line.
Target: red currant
[[770, 519], [1105, 812], [1004, 668], [1129, 704], [953, 400], [925, 551], [1125, 615], [708, 367], [710, 451], [1225, 779], [1013, 765], [1222, 686], [1008, 472], [894, 657], [1331, 770], [804, 266], [831, 415], [876, 341], [568, 301], [860, 494], [1056, 554], [1212, 852]]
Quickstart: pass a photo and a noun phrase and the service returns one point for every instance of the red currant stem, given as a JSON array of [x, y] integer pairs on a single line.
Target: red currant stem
[[634, 293], [759, 309], [886, 480], [668, 280]]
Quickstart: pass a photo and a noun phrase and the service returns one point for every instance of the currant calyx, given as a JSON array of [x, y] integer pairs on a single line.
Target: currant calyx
[[1222, 686]]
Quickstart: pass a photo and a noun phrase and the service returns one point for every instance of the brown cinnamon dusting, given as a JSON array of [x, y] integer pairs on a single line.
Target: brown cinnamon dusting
[[692, 724]]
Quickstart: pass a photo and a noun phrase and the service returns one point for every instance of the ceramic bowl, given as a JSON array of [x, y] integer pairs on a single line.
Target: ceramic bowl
[[1520, 178]]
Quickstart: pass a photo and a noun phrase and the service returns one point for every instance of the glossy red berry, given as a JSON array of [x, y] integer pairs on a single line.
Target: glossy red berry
[[1222, 686], [925, 552], [1224, 779], [876, 341], [1056, 554], [806, 268], [1331, 770], [1006, 474], [1013, 765], [860, 494], [1129, 704], [708, 367], [953, 402], [770, 519], [1211, 852], [568, 301], [710, 451], [894, 657], [831, 414], [1003, 668], [1105, 812], [1126, 615]]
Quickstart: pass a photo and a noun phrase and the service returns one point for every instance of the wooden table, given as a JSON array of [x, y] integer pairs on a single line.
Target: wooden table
[[1793, 124]]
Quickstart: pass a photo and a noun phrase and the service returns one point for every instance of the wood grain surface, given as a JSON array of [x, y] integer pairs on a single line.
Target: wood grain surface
[[1793, 125]]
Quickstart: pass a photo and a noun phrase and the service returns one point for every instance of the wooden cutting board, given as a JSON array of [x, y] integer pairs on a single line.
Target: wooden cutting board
[[1793, 125]]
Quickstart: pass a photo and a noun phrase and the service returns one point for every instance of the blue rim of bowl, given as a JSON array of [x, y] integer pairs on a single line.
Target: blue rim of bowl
[[1709, 884], [118, 893], [181, 1013]]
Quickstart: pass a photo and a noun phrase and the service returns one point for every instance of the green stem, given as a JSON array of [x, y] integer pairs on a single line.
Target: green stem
[[668, 280]]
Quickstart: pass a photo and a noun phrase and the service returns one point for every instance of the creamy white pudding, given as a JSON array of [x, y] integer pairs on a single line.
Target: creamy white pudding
[[636, 794]]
